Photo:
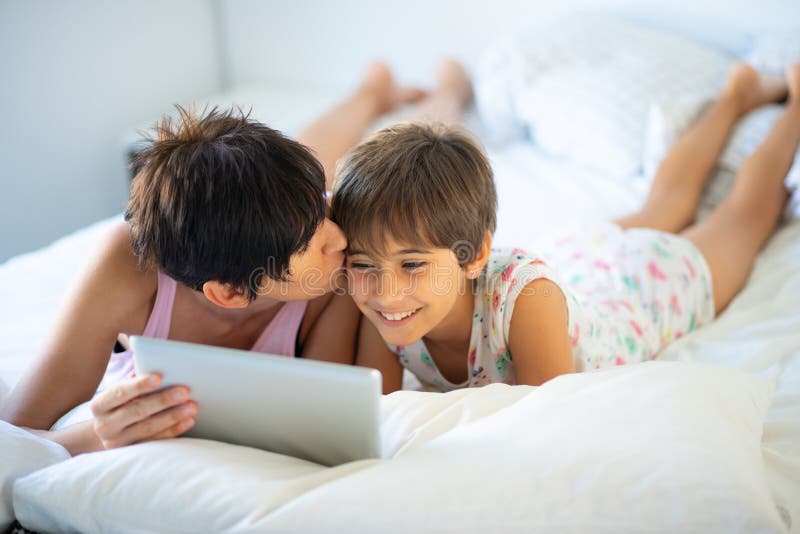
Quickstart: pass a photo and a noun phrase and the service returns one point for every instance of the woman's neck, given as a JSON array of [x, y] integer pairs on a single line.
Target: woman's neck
[[234, 317]]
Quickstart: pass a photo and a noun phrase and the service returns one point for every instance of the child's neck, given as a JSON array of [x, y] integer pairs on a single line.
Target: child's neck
[[448, 343], [455, 330]]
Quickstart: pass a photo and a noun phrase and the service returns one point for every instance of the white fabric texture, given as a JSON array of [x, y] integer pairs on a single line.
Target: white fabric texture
[[22, 453], [773, 50], [581, 87], [684, 426]]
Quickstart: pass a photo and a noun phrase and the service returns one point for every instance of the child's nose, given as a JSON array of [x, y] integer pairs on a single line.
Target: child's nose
[[391, 287], [385, 300]]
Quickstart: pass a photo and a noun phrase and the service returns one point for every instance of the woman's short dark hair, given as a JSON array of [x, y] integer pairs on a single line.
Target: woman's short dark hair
[[419, 183], [219, 196]]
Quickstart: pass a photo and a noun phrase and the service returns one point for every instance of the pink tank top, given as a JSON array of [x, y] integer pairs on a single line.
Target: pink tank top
[[279, 336]]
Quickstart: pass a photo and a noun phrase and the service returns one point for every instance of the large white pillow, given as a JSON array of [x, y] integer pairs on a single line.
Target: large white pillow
[[21, 453], [658, 447], [581, 86]]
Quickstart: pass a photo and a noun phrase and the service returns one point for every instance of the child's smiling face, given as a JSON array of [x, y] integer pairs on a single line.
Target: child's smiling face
[[408, 291]]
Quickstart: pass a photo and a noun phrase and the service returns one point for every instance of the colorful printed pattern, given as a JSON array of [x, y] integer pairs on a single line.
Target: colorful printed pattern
[[629, 294]]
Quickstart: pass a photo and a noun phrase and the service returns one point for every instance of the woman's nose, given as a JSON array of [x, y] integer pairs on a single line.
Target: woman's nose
[[336, 242]]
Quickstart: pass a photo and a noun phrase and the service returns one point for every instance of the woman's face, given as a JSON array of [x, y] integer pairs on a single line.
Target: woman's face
[[314, 272]]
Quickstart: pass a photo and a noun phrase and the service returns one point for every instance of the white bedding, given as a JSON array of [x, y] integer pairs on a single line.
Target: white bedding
[[659, 447]]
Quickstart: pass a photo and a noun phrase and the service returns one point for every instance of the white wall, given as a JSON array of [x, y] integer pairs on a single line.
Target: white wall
[[75, 76], [327, 43]]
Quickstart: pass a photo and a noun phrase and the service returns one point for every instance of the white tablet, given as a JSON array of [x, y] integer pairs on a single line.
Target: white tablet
[[324, 412]]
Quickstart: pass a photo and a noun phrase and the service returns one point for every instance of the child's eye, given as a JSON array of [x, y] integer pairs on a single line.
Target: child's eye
[[413, 265], [360, 266]]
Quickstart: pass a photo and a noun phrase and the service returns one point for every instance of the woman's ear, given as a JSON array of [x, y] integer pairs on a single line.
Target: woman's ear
[[225, 295], [475, 267]]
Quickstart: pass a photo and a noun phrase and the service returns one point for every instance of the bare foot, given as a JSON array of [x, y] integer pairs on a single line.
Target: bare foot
[[752, 89], [453, 79], [379, 83], [446, 103], [793, 81]]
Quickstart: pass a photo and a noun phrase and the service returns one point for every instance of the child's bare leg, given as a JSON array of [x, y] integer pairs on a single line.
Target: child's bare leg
[[452, 95], [341, 128], [734, 233], [672, 201]]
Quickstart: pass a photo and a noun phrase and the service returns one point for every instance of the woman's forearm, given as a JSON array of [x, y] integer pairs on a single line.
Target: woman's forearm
[[77, 439]]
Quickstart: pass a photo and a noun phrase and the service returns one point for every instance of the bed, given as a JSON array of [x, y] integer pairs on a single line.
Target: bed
[[705, 439]]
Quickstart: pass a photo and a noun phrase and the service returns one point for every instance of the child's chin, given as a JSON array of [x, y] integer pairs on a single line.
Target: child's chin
[[395, 338]]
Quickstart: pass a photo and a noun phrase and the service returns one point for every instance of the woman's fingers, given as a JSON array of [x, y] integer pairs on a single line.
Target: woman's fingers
[[123, 392], [140, 408], [175, 430], [135, 411], [157, 425]]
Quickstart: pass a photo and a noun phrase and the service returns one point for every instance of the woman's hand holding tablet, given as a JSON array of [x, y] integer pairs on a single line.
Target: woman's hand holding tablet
[[137, 410]]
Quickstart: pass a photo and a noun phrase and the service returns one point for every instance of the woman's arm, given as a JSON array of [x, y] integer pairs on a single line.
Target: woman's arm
[[77, 439], [130, 412], [538, 337], [103, 303], [373, 352], [113, 295]]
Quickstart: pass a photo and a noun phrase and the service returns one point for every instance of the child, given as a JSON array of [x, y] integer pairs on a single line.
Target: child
[[417, 204], [226, 242]]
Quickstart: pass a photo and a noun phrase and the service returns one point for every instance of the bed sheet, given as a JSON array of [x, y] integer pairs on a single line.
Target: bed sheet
[[758, 333]]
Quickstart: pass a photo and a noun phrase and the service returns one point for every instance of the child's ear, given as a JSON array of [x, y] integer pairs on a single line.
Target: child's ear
[[225, 295], [475, 267]]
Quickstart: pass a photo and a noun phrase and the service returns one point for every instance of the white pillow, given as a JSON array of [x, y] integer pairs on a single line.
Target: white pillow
[[667, 121], [774, 49], [4, 390], [657, 447], [646, 448], [582, 86], [21, 453], [180, 485]]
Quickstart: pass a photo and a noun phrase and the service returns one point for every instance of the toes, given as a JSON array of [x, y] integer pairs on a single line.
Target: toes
[[378, 70], [450, 71], [793, 79], [451, 76], [409, 95], [753, 89], [742, 77]]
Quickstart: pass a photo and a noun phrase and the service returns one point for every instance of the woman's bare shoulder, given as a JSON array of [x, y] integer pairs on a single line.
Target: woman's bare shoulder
[[115, 269]]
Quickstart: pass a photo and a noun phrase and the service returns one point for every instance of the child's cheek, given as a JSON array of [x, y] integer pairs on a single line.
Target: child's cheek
[[359, 287]]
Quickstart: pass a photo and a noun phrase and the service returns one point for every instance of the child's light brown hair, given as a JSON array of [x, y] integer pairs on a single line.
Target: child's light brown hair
[[419, 183]]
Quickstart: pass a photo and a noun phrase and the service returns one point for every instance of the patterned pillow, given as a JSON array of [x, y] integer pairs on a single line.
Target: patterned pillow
[[581, 87]]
